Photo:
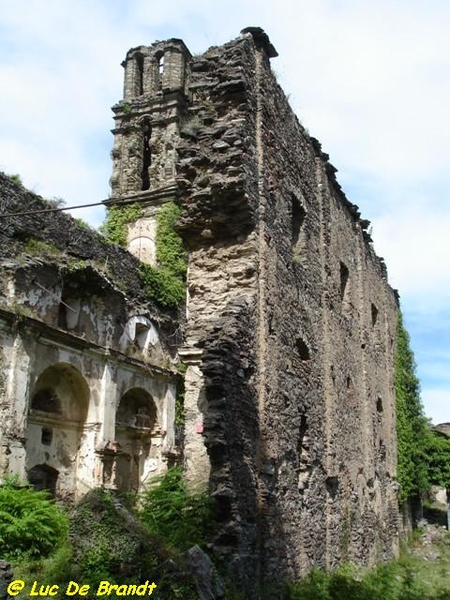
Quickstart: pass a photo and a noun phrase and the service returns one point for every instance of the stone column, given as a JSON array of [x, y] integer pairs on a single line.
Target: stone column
[[197, 466]]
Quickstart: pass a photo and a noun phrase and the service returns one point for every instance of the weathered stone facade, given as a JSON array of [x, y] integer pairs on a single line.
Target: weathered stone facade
[[86, 395], [290, 329], [288, 337]]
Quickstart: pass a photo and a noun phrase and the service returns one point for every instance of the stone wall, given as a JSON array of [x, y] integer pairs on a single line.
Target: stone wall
[[87, 392], [291, 328], [288, 337]]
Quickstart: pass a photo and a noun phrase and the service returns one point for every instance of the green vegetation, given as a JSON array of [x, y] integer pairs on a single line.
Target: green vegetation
[[396, 581], [181, 518], [40, 248], [122, 539], [421, 573], [170, 252], [82, 223], [180, 415], [30, 523], [117, 218], [438, 457], [164, 287], [55, 202], [166, 282], [412, 426], [108, 542], [16, 179]]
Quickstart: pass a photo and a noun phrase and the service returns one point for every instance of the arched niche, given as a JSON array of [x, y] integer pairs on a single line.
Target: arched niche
[[136, 427], [43, 477], [136, 411], [139, 332], [57, 413], [62, 391]]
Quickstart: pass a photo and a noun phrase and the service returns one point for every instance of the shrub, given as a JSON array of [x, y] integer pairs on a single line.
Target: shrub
[[180, 518], [394, 581], [30, 522], [163, 286]]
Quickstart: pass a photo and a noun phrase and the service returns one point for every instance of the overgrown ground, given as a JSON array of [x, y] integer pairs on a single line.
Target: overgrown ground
[[430, 559], [128, 540], [421, 573]]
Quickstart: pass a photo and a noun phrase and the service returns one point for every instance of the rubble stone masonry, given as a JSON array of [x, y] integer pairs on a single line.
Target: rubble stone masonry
[[292, 325]]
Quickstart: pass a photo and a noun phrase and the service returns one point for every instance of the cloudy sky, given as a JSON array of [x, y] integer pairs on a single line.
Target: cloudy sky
[[369, 80]]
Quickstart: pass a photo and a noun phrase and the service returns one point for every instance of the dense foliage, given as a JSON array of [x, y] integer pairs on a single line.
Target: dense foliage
[[117, 218], [395, 581], [181, 518], [170, 252], [166, 282], [438, 456], [412, 426], [30, 522], [164, 287]]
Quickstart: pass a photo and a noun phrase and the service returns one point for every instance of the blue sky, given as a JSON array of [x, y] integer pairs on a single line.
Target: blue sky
[[369, 80]]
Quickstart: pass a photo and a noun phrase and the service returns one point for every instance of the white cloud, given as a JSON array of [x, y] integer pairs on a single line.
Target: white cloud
[[368, 80], [437, 405], [414, 240]]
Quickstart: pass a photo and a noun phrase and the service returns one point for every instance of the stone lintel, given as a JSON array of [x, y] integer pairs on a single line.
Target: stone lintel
[[190, 356], [147, 197]]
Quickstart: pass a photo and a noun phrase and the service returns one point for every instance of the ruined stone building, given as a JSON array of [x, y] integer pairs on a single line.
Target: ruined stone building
[[288, 332], [86, 398]]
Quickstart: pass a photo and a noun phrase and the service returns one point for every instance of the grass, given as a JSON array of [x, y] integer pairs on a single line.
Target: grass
[[421, 573]]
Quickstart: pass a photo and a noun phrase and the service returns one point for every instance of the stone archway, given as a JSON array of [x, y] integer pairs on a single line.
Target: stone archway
[[56, 418], [43, 477], [136, 427]]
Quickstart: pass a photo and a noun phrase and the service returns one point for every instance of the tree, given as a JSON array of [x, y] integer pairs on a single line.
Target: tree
[[438, 454], [412, 426]]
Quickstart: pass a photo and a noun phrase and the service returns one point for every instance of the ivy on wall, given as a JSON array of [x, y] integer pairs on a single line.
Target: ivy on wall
[[117, 218], [166, 281], [412, 426], [170, 252]]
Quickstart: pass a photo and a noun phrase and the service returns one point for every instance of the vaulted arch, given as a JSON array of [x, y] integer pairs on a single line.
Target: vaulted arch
[[58, 409]]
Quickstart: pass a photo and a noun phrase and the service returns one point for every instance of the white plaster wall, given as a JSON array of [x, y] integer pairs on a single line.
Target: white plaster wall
[[141, 239]]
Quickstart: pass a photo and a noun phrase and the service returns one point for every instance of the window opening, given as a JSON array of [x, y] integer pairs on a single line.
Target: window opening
[[46, 436], [140, 73], [374, 313], [344, 275], [379, 405], [302, 349], [147, 155], [159, 58], [160, 64], [43, 477], [298, 218]]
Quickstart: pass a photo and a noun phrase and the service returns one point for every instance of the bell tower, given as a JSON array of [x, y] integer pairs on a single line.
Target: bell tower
[[146, 132]]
